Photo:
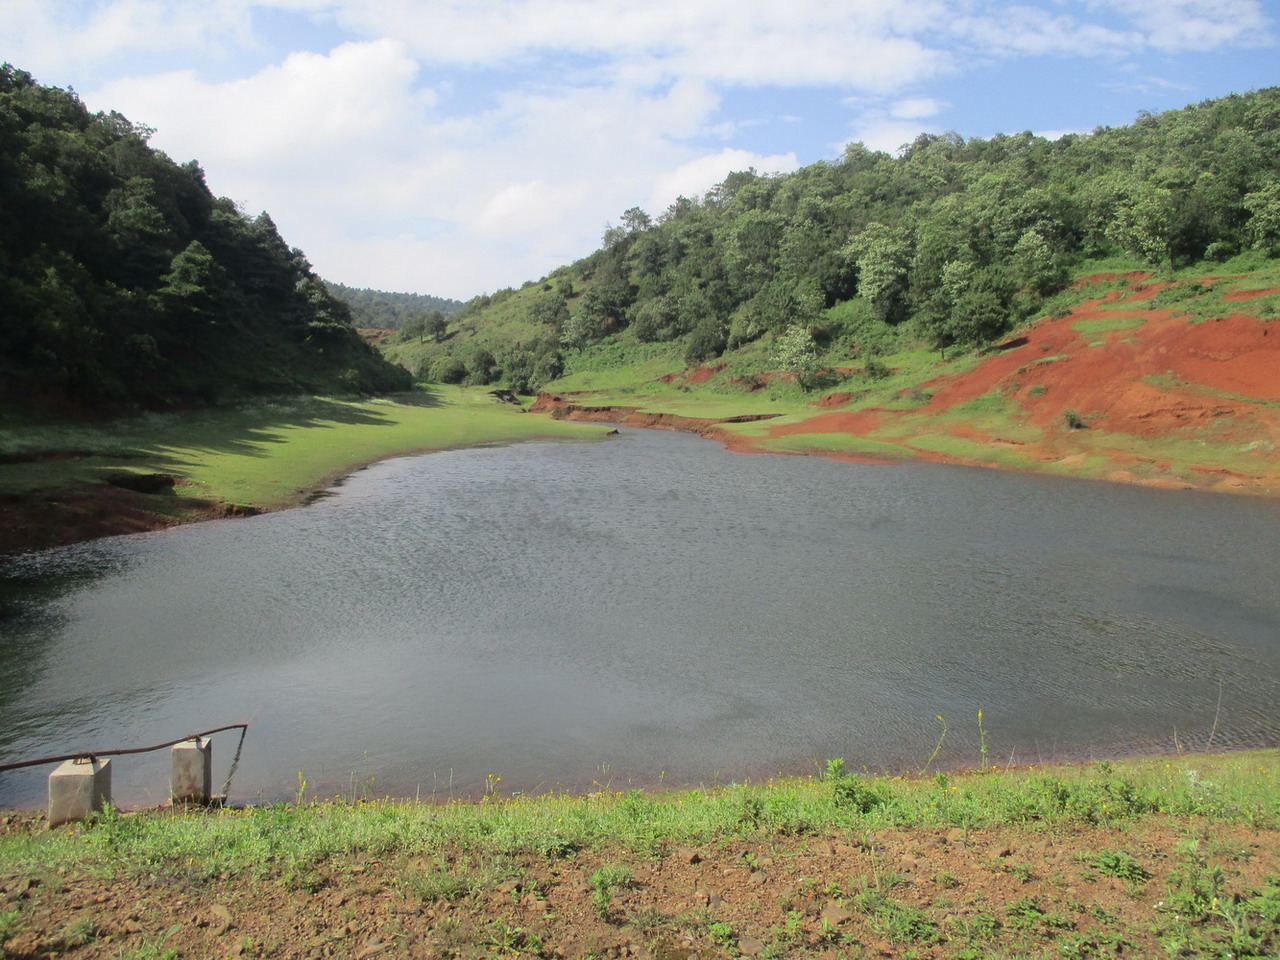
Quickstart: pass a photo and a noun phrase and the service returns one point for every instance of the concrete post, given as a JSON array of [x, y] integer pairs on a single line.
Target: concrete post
[[192, 780], [78, 789]]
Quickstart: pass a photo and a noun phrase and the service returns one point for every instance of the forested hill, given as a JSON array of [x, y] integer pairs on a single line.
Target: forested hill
[[950, 243], [124, 280], [384, 310]]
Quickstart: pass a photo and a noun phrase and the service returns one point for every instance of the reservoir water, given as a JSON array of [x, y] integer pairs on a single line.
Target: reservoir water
[[648, 609]]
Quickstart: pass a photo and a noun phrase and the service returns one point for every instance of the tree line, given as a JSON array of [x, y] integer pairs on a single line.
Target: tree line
[[384, 310], [125, 281], [953, 241]]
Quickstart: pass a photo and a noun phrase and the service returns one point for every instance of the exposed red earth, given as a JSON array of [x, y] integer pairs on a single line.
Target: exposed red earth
[[1157, 398], [1163, 380]]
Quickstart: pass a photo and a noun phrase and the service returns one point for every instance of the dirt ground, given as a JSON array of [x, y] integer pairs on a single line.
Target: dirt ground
[[1014, 892]]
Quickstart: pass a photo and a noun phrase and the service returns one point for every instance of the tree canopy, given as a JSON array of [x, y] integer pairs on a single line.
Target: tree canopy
[[124, 280], [952, 241]]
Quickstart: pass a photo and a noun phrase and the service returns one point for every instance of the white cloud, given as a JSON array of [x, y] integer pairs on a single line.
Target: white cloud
[[696, 177], [521, 209], [281, 116], [915, 108], [52, 36], [361, 168], [881, 46], [1177, 25], [1021, 31], [861, 43], [886, 134], [489, 140]]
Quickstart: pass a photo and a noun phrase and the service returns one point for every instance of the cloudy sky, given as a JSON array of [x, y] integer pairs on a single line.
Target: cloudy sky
[[453, 147]]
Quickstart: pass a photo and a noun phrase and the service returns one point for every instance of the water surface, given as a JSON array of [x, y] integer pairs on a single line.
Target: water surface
[[648, 608]]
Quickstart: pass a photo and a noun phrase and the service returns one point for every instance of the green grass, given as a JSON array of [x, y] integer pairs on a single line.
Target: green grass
[[467, 860], [264, 454], [843, 443], [966, 449], [1236, 787], [1106, 324]]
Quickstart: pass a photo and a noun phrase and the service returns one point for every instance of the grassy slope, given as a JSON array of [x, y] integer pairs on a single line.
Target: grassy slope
[[1173, 856], [1000, 429], [263, 454]]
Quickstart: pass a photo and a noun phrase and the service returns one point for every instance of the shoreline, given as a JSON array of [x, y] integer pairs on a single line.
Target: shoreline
[[660, 786], [1220, 481], [45, 518], [1079, 862], [222, 464]]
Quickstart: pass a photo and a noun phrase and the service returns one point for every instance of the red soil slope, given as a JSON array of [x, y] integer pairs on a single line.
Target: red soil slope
[[1165, 381]]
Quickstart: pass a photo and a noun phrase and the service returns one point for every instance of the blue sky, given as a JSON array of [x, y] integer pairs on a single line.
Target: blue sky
[[456, 146]]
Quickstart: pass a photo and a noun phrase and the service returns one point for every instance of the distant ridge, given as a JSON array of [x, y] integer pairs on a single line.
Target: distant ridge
[[386, 310]]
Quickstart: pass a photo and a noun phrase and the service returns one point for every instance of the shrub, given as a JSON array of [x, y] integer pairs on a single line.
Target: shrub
[[448, 370]]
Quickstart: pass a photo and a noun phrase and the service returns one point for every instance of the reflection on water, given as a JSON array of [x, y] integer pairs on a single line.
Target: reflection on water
[[561, 613]]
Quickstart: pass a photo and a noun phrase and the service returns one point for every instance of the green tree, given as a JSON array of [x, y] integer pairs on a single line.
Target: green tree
[[882, 255], [706, 340], [436, 325], [578, 330], [414, 328], [635, 220], [796, 352], [1264, 216], [1142, 222], [191, 291]]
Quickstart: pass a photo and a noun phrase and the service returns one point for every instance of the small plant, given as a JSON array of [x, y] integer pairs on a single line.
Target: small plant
[[1024, 913], [791, 932], [1194, 888], [9, 923], [151, 950], [752, 811], [441, 884], [862, 795], [607, 881], [937, 747], [79, 933], [903, 923], [650, 921], [505, 938], [876, 369], [982, 741], [1039, 390], [946, 880], [722, 933], [1117, 863], [303, 877], [1022, 871], [835, 769], [1073, 420]]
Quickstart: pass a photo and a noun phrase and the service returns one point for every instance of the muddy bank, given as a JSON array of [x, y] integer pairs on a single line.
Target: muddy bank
[[559, 408], [56, 518]]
